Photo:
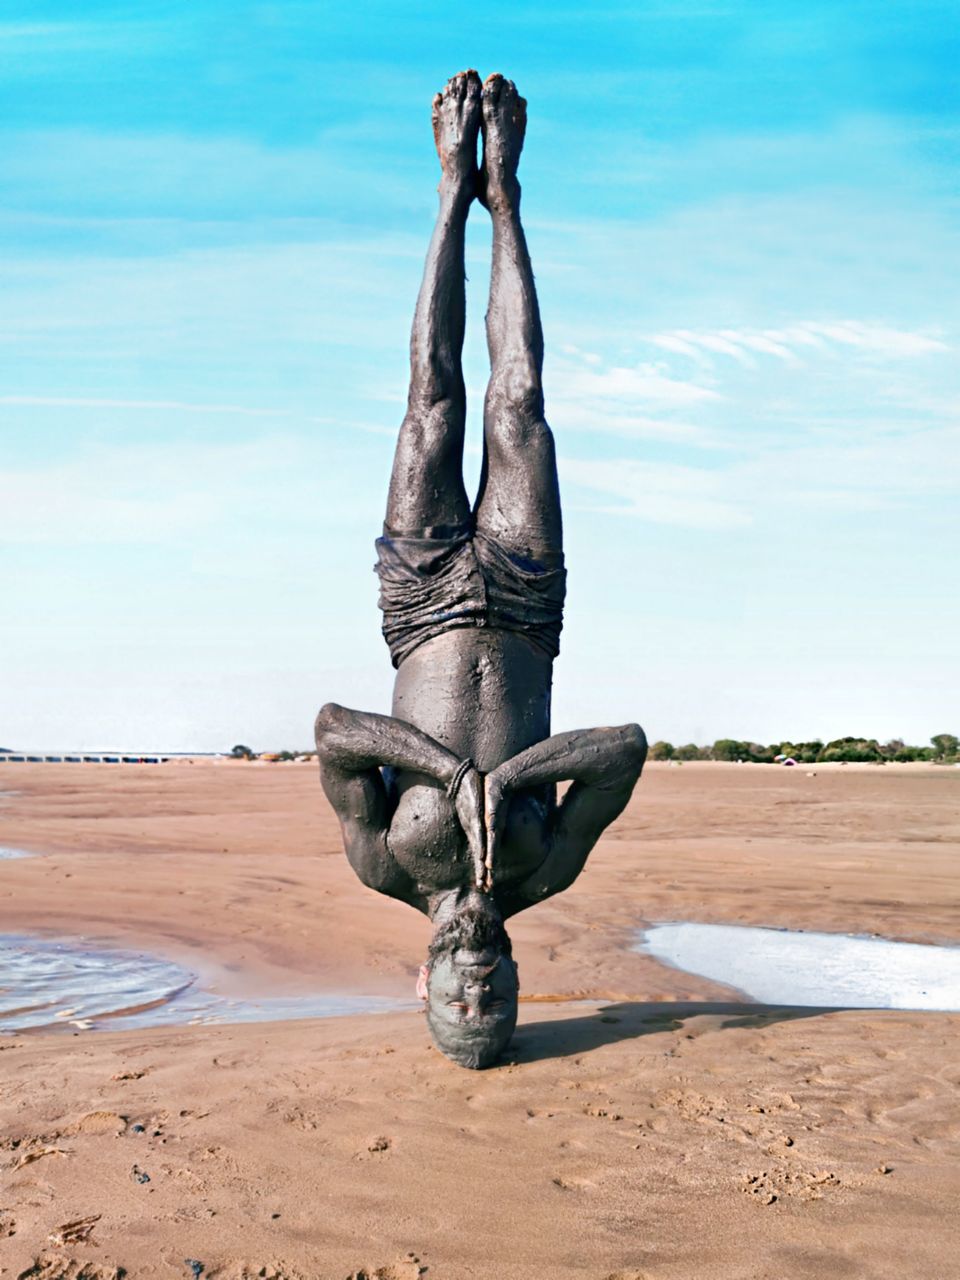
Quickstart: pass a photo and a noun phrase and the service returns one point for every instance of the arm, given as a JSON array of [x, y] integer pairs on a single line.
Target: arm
[[603, 764], [351, 747]]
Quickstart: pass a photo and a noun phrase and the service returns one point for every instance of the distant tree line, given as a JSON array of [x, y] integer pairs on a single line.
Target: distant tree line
[[242, 752], [943, 750]]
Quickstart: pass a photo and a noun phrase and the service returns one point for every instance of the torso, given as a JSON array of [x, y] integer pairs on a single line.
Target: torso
[[485, 695]]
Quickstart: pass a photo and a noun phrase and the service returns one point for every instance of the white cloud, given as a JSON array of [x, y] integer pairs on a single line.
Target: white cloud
[[759, 342], [660, 492], [870, 340], [878, 339], [642, 386], [779, 483], [678, 345], [634, 402]]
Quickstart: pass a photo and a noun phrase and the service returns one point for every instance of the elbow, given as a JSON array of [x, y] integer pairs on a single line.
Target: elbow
[[330, 720], [634, 747]]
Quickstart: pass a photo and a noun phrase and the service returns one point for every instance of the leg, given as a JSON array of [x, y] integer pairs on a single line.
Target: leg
[[604, 765], [519, 500], [426, 487]]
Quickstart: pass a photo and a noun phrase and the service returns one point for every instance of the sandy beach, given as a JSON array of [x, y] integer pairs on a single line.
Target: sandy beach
[[648, 1124]]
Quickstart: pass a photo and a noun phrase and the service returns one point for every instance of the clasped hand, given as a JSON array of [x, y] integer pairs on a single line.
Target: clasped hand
[[481, 803]]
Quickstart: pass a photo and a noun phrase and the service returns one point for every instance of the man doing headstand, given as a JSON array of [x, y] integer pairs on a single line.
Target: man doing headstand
[[450, 803]]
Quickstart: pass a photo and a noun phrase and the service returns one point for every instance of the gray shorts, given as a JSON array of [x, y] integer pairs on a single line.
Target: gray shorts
[[434, 580]]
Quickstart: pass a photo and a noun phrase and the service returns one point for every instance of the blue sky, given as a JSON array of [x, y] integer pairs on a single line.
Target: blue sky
[[745, 225]]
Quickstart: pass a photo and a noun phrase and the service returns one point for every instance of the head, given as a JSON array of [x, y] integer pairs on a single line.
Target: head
[[470, 985]]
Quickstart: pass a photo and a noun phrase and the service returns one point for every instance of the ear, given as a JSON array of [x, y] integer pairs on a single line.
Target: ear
[[422, 979]]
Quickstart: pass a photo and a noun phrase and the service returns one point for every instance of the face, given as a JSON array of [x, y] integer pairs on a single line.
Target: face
[[472, 1007]]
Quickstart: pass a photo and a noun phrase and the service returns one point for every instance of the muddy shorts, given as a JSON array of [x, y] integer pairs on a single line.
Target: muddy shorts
[[437, 579]]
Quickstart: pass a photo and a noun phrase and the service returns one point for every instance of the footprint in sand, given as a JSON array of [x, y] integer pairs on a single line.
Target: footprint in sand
[[408, 1268], [78, 1231], [573, 1184], [38, 1153], [50, 1266], [769, 1185], [97, 1122]]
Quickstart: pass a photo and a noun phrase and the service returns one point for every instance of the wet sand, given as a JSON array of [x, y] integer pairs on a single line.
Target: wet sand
[[663, 1130]]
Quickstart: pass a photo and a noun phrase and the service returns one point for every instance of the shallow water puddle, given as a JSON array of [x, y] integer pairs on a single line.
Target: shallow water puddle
[[820, 970], [7, 852], [50, 984]]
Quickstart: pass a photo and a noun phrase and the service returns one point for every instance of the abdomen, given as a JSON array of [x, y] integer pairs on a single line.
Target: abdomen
[[485, 695]]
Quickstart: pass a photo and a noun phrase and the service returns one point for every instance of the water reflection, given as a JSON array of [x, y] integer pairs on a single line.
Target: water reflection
[[67, 984], [821, 970]]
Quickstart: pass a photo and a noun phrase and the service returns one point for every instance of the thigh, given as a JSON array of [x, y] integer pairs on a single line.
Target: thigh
[[426, 484], [519, 500]]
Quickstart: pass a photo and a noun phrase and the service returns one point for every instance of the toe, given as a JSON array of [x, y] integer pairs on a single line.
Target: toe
[[492, 88]]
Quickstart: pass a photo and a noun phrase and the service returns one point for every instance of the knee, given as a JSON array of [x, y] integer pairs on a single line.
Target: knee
[[431, 415], [518, 424], [515, 400]]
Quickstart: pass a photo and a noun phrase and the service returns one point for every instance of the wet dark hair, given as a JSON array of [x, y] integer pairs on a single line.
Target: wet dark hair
[[473, 928]]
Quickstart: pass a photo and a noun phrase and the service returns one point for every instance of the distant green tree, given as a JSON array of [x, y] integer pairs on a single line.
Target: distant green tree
[[286, 755], [865, 750], [662, 751], [688, 752], [729, 749], [945, 746], [240, 752]]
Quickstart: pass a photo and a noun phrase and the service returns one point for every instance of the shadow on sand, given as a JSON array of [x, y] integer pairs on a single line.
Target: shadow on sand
[[629, 1020]]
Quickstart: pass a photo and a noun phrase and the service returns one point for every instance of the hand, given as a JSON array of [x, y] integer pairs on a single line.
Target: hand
[[496, 809], [469, 807]]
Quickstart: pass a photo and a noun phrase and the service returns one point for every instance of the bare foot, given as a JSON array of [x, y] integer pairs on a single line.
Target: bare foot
[[504, 126], [456, 124]]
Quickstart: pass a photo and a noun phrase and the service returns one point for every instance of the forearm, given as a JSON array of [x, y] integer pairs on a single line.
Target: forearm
[[602, 758], [355, 741], [604, 765]]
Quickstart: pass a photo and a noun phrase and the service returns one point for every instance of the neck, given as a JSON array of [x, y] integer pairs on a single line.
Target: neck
[[445, 905]]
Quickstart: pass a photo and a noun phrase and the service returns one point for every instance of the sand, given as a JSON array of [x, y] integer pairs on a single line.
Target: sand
[[663, 1129]]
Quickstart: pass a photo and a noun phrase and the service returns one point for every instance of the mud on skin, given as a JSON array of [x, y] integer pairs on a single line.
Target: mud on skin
[[450, 803]]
